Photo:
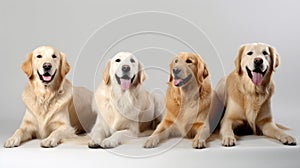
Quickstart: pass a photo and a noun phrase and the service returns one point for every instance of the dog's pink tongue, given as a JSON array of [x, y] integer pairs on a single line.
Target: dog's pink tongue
[[177, 81], [125, 83], [257, 78], [47, 78]]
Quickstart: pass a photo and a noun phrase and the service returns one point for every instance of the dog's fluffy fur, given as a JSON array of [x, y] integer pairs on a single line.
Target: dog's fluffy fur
[[246, 94], [124, 108], [54, 109], [188, 100]]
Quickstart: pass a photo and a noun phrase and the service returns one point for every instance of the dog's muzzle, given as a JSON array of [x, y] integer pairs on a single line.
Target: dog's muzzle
[[46, 77]]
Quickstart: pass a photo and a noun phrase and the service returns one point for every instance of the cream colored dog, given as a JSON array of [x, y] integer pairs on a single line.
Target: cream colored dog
[[54, 109], [247, 93], [124, 108]]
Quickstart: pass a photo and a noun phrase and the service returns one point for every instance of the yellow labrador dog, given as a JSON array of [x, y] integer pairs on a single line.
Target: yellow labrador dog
[[124, 108], [247, 93], [54, 109]]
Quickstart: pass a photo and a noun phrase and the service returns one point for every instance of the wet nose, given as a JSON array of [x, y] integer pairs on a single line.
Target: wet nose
[[125, 68], [258, 61], [47, 66], [176, 71]]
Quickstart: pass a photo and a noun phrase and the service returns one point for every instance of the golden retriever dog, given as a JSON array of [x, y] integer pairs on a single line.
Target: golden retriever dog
[[188, 101], [247, 93], [51, 101], [125, 109]]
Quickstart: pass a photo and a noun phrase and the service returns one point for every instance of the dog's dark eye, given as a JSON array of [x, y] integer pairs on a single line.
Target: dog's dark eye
[[132, 60], [39, 56], [54, 56], [250, 53], [118, 60], [176, 61], [265, 52], [188, 61]]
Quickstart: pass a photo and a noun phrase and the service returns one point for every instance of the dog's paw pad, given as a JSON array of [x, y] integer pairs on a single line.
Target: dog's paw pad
[[228, 141]]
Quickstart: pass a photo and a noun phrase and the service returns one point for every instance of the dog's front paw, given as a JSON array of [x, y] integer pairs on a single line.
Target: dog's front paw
[[49, 143], [110, 143], [199, 143], [288, 140], [152, 142], [228, 141], [94, 144], [12, 142]]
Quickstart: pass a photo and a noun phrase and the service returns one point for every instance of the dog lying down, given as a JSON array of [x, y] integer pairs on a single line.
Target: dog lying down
[[246, 95], [188, 101], [55, 110], [125, 109]]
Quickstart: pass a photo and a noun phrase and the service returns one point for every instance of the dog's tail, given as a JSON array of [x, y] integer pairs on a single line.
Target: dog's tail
[[282, 127], [77, 140]]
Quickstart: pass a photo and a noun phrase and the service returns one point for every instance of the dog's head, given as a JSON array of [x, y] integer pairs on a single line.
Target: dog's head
[[125, 70], [186, 67], [257, 60], [45, 64]]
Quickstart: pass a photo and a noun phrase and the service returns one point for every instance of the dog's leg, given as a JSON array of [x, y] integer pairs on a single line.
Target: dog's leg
[[199, 140], [22, 134], [269, 128], [117, 138], [64, 131], [163, 131], [100, 131]]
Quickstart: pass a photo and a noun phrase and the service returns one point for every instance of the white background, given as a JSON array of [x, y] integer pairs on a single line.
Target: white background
[[74, 28]]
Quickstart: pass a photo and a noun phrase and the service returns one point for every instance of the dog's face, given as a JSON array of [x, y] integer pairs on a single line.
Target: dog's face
[[125, 70], [257, 60], [45, 63], [186, 66]]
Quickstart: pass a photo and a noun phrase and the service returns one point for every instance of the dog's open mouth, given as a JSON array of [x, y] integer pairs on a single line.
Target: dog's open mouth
[[181, 82], [256, 75], [46, 77], [125, 81]]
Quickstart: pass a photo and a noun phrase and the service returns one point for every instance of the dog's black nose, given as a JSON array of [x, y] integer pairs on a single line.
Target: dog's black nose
[[258, 61], [47, 66], [176, 71], [125, 68]]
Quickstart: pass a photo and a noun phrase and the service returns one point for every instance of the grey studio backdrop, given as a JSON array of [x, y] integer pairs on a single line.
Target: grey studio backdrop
[[90, 32]]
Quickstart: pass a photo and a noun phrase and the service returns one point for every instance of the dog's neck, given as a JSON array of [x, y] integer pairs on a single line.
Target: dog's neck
[[44, 92], [190, 93]]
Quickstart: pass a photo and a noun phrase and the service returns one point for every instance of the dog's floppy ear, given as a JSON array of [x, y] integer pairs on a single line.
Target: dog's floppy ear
[[202, 72], [275, 57], [64, 65], [171, 69], [141, 76], [64, 69], [238, 60], [106, 76], [27, 66]]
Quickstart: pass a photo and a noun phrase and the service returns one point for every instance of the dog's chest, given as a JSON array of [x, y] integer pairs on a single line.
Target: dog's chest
[[46, 113]]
